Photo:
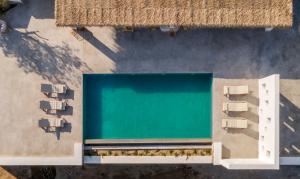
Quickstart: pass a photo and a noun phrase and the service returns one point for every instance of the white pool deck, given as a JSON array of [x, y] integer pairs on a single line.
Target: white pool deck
[[22, 137], [233, 140]]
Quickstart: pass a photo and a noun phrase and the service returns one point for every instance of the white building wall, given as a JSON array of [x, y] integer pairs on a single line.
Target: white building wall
[[269, 119]]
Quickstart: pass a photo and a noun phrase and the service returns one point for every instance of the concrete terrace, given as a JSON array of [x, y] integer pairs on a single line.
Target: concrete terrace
[[236, 143], [36, 51]]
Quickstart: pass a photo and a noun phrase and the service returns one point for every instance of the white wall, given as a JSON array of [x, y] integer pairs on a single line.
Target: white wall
[[269, 119], [289, 160], [76, 159]]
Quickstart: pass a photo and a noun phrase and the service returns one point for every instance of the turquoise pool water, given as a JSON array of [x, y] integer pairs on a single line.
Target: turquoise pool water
[[147, 106]]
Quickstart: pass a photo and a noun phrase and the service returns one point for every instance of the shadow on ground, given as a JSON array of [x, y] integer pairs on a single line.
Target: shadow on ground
[[289, 127], [22, 15], [228, 53], [33, 54]]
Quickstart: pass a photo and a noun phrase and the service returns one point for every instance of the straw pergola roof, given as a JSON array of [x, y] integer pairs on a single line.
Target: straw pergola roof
[[196, 13]]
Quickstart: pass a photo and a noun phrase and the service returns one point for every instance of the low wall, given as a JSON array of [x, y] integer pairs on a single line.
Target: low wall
[[289, 160], [147, 160], [76, 159], [94, 155], [246, 164]]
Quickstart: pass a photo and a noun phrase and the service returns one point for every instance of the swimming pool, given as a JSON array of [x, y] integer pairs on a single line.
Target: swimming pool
[[147, 106]]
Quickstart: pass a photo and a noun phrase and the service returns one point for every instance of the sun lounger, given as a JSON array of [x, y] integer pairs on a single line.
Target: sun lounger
[[238, 123], [235, 90], [235, 106], [51, 124], [53, 89], [49, 106]]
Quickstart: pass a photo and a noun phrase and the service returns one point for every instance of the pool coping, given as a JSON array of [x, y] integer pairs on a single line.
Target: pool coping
[[148, 141]]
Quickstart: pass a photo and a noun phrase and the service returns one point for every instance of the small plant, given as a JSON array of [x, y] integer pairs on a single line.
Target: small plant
[[151, 152], [3, 5], [141, 153]]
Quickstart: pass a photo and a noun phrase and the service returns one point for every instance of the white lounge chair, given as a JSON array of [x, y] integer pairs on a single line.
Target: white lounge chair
[[239, 106], [51, 124], [235, 90], [51, 89], [49, 106], [237, 123]]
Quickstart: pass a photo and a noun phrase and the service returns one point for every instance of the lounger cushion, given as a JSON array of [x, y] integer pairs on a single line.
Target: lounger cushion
[[50, 88], [235, 123], [235, 106], [236, 90]]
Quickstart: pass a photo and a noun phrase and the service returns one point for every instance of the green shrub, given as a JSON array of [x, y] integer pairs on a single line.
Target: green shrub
[[3, 5]]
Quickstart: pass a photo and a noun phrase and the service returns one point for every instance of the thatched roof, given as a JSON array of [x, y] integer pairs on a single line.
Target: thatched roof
[[198, 13]]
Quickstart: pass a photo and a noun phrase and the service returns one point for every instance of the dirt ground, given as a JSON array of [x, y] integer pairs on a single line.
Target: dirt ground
[[145, 172]]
